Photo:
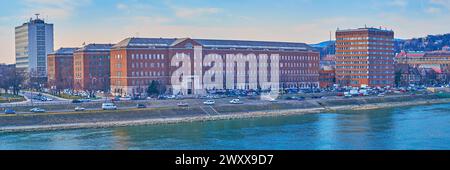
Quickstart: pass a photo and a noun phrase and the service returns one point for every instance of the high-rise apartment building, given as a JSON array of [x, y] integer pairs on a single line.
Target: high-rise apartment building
[[365, 57], [34, 41]]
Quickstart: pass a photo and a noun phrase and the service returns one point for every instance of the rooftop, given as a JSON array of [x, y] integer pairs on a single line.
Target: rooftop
[[65, 51], [96, 47], [167, 42], [365, 29]]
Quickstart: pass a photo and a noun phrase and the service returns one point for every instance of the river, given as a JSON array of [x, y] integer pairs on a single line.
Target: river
[[418, 127]]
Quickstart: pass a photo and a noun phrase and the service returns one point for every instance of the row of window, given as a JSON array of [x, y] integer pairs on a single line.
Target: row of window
[[364, 52], [364, 48], [143, 73], [365, 43], [351, 62], [308, 58], [363, 58], [299, 72], [352, 67], [282, 65], [366, 38], [147, 56], [144, 65]]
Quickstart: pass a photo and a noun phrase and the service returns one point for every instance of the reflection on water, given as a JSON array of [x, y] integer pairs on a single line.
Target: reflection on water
[[421, 127]]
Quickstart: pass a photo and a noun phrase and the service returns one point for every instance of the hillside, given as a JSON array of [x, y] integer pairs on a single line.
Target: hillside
[[429, 43]]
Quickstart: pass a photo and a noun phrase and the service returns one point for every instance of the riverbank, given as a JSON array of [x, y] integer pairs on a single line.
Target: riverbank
[[169, 115]]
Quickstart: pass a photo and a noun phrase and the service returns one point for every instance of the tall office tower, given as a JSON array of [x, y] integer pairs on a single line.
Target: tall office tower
[[365, 57], [34, 41]]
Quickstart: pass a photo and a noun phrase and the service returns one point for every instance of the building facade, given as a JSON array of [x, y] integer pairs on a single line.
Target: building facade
[[91, 67], [365, 56], [60, 69], [327, 77], [33, 42], [136, 62], [437, 58]]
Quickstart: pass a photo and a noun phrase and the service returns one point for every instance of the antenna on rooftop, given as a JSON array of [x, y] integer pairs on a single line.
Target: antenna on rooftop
[[330, 36]]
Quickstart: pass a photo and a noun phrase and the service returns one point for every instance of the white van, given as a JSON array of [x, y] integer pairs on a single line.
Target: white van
[[109, 106]]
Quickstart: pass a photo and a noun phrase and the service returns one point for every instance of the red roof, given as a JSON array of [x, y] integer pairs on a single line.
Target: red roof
[[414, 54]]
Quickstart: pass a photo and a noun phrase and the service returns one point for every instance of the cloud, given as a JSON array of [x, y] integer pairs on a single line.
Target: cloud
[[432, 10], [121, 6], [442, 3], [188, 13], [399, 3], [55, 9]]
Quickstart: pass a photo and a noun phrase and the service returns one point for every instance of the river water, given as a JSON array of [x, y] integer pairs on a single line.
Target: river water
[[418, 127]]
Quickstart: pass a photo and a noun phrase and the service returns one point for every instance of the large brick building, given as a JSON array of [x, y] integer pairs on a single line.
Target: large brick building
[[91, 66], [60, 69], [365, 56], [415, 59], [136, 62]]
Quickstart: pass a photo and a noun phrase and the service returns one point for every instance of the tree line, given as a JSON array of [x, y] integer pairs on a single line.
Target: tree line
[[11, 79]]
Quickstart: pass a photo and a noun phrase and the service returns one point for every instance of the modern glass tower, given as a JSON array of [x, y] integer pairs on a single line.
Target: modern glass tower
[[34, 40]]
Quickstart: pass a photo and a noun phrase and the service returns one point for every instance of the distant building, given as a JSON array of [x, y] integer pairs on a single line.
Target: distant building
[[91, 67], [34, 41], [441, 58], [327, 77], [365, 56], [60, 69], [136, 62], [407, 75], [328, 61], [430, 63]]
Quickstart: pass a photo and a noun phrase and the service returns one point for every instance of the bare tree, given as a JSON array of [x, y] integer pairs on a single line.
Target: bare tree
[[12, 78]]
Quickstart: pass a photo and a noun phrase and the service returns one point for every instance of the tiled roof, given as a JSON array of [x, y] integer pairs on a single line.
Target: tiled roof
[[167, 42], [65, 51], [96, 47]]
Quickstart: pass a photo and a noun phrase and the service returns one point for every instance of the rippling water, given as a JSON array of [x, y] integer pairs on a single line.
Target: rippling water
[[420, 127]]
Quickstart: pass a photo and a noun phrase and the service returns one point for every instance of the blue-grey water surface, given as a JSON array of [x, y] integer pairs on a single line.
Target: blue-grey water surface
[[418, 127]]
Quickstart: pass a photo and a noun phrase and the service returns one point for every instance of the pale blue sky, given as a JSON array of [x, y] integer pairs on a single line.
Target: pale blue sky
[[109, 21]]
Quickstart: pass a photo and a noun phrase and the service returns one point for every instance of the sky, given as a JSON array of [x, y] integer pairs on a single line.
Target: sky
[[309, 21]]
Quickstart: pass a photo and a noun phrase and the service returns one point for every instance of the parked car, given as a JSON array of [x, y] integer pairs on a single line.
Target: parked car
[[109, 106], [162, 97], [209, 102], [291, 98], [141, 106], [236, 101], [10, 111], [85, 100], [76, 101], [37, 110], [273, 100], [181, 104], [77, 109], [126, 98], [116, 99]]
